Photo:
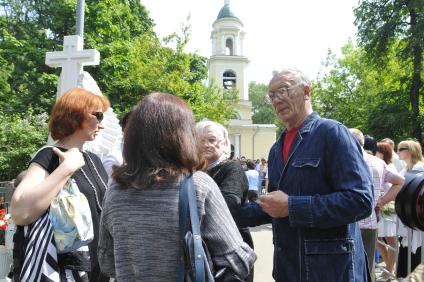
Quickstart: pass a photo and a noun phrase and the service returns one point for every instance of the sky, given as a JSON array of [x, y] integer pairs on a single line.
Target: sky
[[279, 33]]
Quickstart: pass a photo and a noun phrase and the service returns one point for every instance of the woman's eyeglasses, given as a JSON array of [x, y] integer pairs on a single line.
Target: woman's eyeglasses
[[402, 149], [98, 115]]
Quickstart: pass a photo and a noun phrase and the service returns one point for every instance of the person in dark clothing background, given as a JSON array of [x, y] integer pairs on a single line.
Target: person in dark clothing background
[[228, 174]]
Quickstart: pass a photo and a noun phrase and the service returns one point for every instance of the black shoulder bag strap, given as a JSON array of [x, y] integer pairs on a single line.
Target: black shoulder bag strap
[[183, 216], [188, 193]]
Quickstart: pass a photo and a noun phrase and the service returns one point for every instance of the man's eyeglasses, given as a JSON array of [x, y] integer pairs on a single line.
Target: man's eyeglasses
[[402, 149], [284, 91], [98, 115]]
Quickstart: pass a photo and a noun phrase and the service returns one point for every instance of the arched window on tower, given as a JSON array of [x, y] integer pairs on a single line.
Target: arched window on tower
[[229, 79], [229, 48]]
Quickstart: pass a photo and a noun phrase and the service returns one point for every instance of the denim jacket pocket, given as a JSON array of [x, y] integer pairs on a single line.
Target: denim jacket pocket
[[329, 260], [306, 171], [306, 162]]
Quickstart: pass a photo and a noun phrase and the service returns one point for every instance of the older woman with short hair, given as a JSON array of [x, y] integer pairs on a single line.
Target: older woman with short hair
[[228, 174]]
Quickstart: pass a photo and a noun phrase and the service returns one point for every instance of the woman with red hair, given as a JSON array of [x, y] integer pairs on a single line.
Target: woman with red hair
[[75, 119], [387, 224]]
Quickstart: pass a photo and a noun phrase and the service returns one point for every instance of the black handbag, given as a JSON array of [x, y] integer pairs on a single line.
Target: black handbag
[[196, 264], [195, 261]]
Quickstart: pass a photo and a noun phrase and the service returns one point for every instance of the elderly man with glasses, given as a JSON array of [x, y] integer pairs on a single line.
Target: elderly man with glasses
[[319, 185]]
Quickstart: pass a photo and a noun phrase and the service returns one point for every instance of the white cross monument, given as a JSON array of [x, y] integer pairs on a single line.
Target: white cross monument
[[71, 60]]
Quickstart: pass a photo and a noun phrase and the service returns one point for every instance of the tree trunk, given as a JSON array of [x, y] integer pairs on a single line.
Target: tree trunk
[[416, 80]]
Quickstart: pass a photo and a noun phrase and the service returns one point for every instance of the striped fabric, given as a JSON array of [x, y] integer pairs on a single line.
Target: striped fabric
[[40, 263], [40, 259]]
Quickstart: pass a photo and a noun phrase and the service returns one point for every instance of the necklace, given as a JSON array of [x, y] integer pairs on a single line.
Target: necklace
[[60, 144], [91, 183]]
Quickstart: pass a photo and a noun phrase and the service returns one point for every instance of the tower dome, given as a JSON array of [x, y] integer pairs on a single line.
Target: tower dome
[[226, 12]]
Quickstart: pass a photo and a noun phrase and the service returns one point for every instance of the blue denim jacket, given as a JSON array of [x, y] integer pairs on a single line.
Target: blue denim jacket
[[330, 189]]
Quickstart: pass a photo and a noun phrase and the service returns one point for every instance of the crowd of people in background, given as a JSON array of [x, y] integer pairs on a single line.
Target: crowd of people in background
[[256, 173], [327, 190]]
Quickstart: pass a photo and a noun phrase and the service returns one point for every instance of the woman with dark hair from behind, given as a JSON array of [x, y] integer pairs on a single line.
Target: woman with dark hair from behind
[[139, 237]]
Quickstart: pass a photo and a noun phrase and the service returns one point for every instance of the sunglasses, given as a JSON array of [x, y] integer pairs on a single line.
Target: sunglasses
[[402, 149], [98, 115]]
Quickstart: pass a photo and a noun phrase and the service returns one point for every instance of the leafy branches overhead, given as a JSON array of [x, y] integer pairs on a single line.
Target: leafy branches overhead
[[262, 110], [378, 23], [387, 26], [365, 96], [170, 70], [20, 138], [134, 63], [133, 60]]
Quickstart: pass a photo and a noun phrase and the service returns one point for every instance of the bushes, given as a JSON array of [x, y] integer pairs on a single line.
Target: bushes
[[20, 138]]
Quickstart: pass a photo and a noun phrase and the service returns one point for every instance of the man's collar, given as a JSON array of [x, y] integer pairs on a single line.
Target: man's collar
[[309, 121], [305, 126]]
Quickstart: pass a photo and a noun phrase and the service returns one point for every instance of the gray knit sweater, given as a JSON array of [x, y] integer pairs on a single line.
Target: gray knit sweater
[[139, 232]]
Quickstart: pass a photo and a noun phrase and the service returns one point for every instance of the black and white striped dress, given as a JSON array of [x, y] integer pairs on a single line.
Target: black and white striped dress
[[40, 257]]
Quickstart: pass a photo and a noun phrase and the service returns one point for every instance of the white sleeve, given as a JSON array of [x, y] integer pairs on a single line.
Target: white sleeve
[[113, 158]]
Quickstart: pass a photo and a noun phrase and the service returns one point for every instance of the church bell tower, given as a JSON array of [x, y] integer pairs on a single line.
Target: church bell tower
[[227, 64], [227, 68]]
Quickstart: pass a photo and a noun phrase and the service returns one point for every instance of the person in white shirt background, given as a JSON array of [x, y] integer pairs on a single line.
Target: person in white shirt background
[[254, 181], [114, 158]]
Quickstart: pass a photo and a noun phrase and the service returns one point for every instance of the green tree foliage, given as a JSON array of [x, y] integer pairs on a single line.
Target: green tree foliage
[[171, 70], [364, 96], [134, 63], [5, 73], [22, 45], [20, 138], [262, 111], [384, 26], [28, 29]]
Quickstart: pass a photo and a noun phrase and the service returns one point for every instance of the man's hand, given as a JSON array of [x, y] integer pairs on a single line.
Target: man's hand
[[276, 204]]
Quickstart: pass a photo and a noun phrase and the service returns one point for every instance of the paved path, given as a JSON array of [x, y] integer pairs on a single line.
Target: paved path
[[262, 238]]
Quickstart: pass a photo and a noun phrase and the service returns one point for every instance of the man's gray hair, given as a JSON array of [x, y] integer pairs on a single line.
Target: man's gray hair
[[358, 135], [294, 75], [204, 124]]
